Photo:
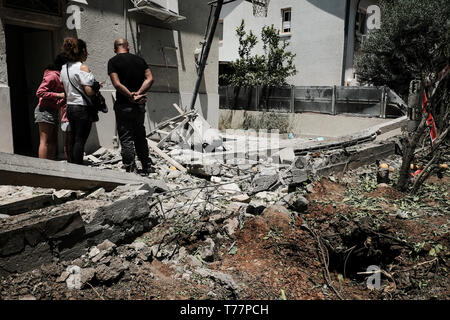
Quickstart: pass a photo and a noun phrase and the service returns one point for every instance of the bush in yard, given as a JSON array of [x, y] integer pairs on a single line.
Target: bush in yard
[[412, 44], [270, 69]]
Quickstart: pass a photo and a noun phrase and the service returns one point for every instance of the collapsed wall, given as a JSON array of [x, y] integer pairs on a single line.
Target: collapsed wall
[[65, 232]]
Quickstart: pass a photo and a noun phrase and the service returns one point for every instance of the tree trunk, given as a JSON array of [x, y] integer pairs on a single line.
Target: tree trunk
[[410, 142]]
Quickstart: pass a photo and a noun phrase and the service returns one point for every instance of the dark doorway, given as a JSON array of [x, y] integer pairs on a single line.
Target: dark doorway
[[28, 52]]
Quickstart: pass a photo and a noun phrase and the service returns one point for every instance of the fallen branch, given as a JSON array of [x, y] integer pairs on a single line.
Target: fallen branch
[[325, 260], [403, 242], [99, 295], [418, 265], [388, 275], [345, 262], [426, 172]]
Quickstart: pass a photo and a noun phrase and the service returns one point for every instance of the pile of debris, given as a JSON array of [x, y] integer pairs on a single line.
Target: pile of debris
[[197, 233], [206, 187]]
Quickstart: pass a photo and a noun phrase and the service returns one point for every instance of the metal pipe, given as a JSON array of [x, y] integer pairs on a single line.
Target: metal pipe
[[205, 55], [125, 17]]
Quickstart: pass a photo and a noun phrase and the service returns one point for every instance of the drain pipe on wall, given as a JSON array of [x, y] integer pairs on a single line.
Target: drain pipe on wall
[[346, 28], [125, 7], [205, 52]]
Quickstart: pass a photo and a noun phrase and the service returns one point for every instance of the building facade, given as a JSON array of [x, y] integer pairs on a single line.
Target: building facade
[[325, 35], [166, 34]]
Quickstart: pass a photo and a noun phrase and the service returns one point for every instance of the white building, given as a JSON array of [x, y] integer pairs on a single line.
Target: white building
[[324, 34]]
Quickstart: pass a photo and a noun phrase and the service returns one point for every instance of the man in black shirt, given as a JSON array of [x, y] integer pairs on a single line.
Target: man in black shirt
[[132, 78]]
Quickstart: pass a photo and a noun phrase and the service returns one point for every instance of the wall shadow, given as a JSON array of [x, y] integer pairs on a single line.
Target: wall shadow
[[332, 7]]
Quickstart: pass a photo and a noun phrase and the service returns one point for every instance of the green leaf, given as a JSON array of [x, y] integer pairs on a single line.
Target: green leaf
[[233, 250], [283, 295]]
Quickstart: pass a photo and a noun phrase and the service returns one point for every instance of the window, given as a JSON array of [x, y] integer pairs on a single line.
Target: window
[[286, 20], [220, 31]]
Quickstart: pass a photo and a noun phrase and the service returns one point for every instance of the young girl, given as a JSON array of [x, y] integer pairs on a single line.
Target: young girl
[[51, 99]]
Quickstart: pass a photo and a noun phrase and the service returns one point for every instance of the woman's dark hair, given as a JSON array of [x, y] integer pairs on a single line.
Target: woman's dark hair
[[75, 49], [60, 60]]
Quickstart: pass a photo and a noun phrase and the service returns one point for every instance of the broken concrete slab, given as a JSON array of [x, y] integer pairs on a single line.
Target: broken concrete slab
[[204, 170], [299, 176], [357, 156], [295, 202], [337, 161], [28, 241], [263, 183], [26, 171], [230, 188], [15, 206], [41, 198], [221, 278], [231, 225], [174, 174], [26, 244], [256, 207], [287, 156], [267, 196], [206, 251]]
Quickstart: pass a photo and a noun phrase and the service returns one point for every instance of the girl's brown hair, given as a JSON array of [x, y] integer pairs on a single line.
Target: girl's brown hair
[[75, 49]]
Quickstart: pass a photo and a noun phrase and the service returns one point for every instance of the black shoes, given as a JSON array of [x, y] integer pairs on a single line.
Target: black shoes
[[146, 170], [131, 168]]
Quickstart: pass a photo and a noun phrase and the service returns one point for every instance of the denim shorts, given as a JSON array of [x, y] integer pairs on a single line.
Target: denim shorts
[[46, 115]]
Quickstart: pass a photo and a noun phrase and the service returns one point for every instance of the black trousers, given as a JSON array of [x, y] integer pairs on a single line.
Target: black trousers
[[132, 136], [80, 124]]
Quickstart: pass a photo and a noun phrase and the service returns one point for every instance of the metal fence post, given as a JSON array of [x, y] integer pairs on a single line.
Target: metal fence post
[[257, 98], [383, 102], [333, 101], [292, 99]]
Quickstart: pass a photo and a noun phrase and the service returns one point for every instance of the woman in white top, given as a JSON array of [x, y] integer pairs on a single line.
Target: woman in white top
[[77, 79]]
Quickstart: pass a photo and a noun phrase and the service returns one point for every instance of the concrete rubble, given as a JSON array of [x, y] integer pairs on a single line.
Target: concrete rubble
[[96, 234]]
